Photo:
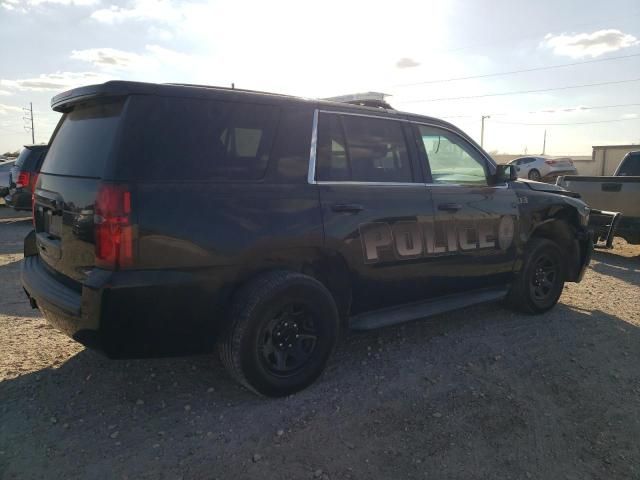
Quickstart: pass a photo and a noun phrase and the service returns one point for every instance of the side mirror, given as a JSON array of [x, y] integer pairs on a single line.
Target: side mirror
[[505, 173]]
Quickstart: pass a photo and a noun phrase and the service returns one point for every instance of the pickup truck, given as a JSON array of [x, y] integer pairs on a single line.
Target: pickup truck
[[609, 195]]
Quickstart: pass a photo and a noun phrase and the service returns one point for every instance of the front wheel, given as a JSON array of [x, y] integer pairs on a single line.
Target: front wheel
[[539, 284], [284, 327]]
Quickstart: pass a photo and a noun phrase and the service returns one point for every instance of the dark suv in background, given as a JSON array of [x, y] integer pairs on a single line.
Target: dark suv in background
[[288, 221], [23, 176]]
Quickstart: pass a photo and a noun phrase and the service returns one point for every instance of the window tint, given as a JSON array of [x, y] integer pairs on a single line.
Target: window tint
[[83, 141], [451, 158], [289, 162], [22, 157], [361, 149], [189, 139], [333, 163], [630, 167]]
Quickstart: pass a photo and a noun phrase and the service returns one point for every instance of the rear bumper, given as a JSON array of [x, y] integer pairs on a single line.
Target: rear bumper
[[558, 173], [129, 314], [18, 199]]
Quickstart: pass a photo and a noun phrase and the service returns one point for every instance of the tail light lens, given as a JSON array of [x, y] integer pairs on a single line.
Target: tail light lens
[[23, 179], [550, 162], [113, 229]]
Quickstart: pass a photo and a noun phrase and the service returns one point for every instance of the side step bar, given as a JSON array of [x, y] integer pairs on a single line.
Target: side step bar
[[414, 311]]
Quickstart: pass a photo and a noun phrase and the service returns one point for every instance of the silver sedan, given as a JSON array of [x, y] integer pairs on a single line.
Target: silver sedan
[[540, 167]]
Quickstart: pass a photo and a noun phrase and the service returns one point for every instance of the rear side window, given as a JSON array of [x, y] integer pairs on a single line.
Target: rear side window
[[630, 166], [84, 139], [361, 149], [195, 139]]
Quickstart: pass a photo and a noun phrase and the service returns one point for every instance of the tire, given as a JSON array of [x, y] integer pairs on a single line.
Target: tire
[[534, 175], [535, 291], [275, 306]]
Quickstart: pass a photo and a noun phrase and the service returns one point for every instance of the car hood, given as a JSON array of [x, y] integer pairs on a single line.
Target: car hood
[[549, 188]]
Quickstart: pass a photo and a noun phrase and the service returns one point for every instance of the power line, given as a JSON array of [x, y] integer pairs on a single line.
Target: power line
[[570, 123], [548, 110], [550, 67], [522, 91]]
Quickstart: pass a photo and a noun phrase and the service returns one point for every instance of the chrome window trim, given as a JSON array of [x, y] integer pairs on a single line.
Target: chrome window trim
[[314, 146], [311, 175], [354, 183]]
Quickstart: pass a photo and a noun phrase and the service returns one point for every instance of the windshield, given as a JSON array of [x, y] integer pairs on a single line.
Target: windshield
[[630, 166]]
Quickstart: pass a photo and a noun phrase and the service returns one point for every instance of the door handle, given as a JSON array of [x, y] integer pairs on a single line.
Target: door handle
[[449, 207], [611, 187], [347, 207]]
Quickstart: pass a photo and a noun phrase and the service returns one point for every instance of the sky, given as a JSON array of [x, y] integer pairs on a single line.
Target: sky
[[420, 53]]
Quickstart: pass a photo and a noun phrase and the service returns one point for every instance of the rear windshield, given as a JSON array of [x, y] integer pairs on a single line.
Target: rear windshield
[[22, 157], [84, 139], [630, 166]]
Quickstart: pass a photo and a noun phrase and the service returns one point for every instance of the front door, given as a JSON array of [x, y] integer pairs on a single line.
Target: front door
[[475, 221]]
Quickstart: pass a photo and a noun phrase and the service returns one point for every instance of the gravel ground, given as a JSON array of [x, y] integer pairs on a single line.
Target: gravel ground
[[481, 393]]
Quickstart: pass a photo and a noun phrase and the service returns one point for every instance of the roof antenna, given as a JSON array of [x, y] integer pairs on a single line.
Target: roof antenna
[[233, 86]]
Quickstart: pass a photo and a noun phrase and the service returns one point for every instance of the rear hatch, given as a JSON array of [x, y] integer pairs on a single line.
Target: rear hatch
[[69, 184], [560, 164]]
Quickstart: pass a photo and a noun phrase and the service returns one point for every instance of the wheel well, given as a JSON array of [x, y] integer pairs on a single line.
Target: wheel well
[[561, 229], [326, 266]]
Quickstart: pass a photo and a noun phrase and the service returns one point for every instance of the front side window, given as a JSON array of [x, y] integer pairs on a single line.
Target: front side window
[[362, 149], [451, 159]]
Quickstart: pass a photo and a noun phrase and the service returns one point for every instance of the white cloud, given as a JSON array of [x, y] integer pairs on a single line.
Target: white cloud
[[589, 44], [5, 93], [157, 10], [107, 57], [407, 62], [55, 81], [25, 5], [630, 115], [155, 56], [6, 109]]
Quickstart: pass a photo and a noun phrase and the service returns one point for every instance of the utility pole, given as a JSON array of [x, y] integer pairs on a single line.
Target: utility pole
[[29, 119], [482, 130], [544, 142]]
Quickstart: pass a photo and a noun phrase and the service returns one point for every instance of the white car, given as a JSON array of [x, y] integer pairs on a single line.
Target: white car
[[540, 167], [5, 176]]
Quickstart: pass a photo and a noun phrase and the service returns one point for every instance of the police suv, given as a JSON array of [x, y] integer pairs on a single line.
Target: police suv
[[178, 218]]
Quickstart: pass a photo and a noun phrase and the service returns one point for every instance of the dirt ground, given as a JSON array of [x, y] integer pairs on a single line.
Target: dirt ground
[[482, 393]]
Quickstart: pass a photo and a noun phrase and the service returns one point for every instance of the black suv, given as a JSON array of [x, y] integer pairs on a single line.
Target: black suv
[[171, 218], [24, 175]]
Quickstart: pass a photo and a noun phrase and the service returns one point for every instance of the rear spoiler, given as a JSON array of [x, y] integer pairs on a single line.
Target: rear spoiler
[[65, 100]]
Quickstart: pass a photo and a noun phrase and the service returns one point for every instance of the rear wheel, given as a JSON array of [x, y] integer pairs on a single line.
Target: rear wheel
[[539, 284], [534, 175], [284, 327]]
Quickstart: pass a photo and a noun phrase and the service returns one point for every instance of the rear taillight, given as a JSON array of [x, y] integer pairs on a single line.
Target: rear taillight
[[113, 229], [550, 162], [33, 179], [23, 179]]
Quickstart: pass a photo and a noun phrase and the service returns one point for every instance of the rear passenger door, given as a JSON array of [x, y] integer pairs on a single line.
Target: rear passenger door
[[374, 206], [475, 221]]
